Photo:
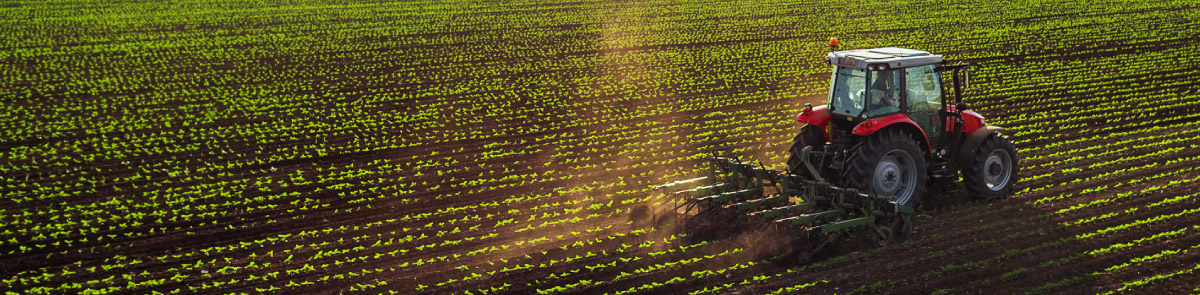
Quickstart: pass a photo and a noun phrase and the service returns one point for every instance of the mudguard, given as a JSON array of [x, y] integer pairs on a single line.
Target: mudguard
[[972, 121], [973, 141], [818, 116], [898, 120]]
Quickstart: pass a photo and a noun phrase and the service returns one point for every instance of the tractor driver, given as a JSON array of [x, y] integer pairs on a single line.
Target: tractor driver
[[880, 93]]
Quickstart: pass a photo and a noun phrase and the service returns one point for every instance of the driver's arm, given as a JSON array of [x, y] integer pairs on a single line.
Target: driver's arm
[[888, 99], [880, 98]]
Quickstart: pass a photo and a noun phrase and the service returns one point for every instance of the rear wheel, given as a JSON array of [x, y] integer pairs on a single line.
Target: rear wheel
[[889, 164], [993, 171], [809, 136]]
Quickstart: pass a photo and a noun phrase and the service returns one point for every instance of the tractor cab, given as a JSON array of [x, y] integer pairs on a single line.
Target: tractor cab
[[874, 83]]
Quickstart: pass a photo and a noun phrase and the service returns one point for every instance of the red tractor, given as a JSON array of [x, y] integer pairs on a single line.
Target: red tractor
[[865, 160], [889, 128]]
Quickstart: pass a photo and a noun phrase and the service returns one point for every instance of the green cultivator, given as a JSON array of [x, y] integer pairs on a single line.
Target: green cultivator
[[812, 212]]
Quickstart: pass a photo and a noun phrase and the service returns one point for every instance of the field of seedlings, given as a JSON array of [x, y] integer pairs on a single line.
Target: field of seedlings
[[510, 147]]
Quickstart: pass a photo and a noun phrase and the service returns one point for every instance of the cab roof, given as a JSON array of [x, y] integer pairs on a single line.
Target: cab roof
[[877, 58]]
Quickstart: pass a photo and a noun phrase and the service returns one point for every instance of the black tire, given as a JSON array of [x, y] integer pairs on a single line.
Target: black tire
[[809, 136], [903, 158], [993, 171]]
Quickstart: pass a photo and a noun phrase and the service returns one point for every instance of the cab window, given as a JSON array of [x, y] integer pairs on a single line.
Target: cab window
[[924, 95], [883, 93]]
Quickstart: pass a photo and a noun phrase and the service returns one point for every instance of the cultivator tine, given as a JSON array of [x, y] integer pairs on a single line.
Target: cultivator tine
[[687, 206], [821, 241], [905, 213]]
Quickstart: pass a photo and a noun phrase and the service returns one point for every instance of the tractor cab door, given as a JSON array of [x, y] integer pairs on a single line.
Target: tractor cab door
[[924, 94]]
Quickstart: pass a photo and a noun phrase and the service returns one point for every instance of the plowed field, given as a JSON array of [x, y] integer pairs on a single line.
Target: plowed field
[[509, 147]]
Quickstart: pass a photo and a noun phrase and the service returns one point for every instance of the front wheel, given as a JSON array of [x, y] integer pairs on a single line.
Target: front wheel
[[993, 171], [890, 164]]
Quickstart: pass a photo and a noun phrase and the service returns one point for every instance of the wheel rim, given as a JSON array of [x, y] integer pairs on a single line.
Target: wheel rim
[[886, 237], [895, 176], [997, 170]]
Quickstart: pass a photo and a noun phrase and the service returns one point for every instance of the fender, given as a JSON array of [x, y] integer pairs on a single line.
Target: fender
[[898, 120], [971, 121], [818, 116], [968, 149]]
